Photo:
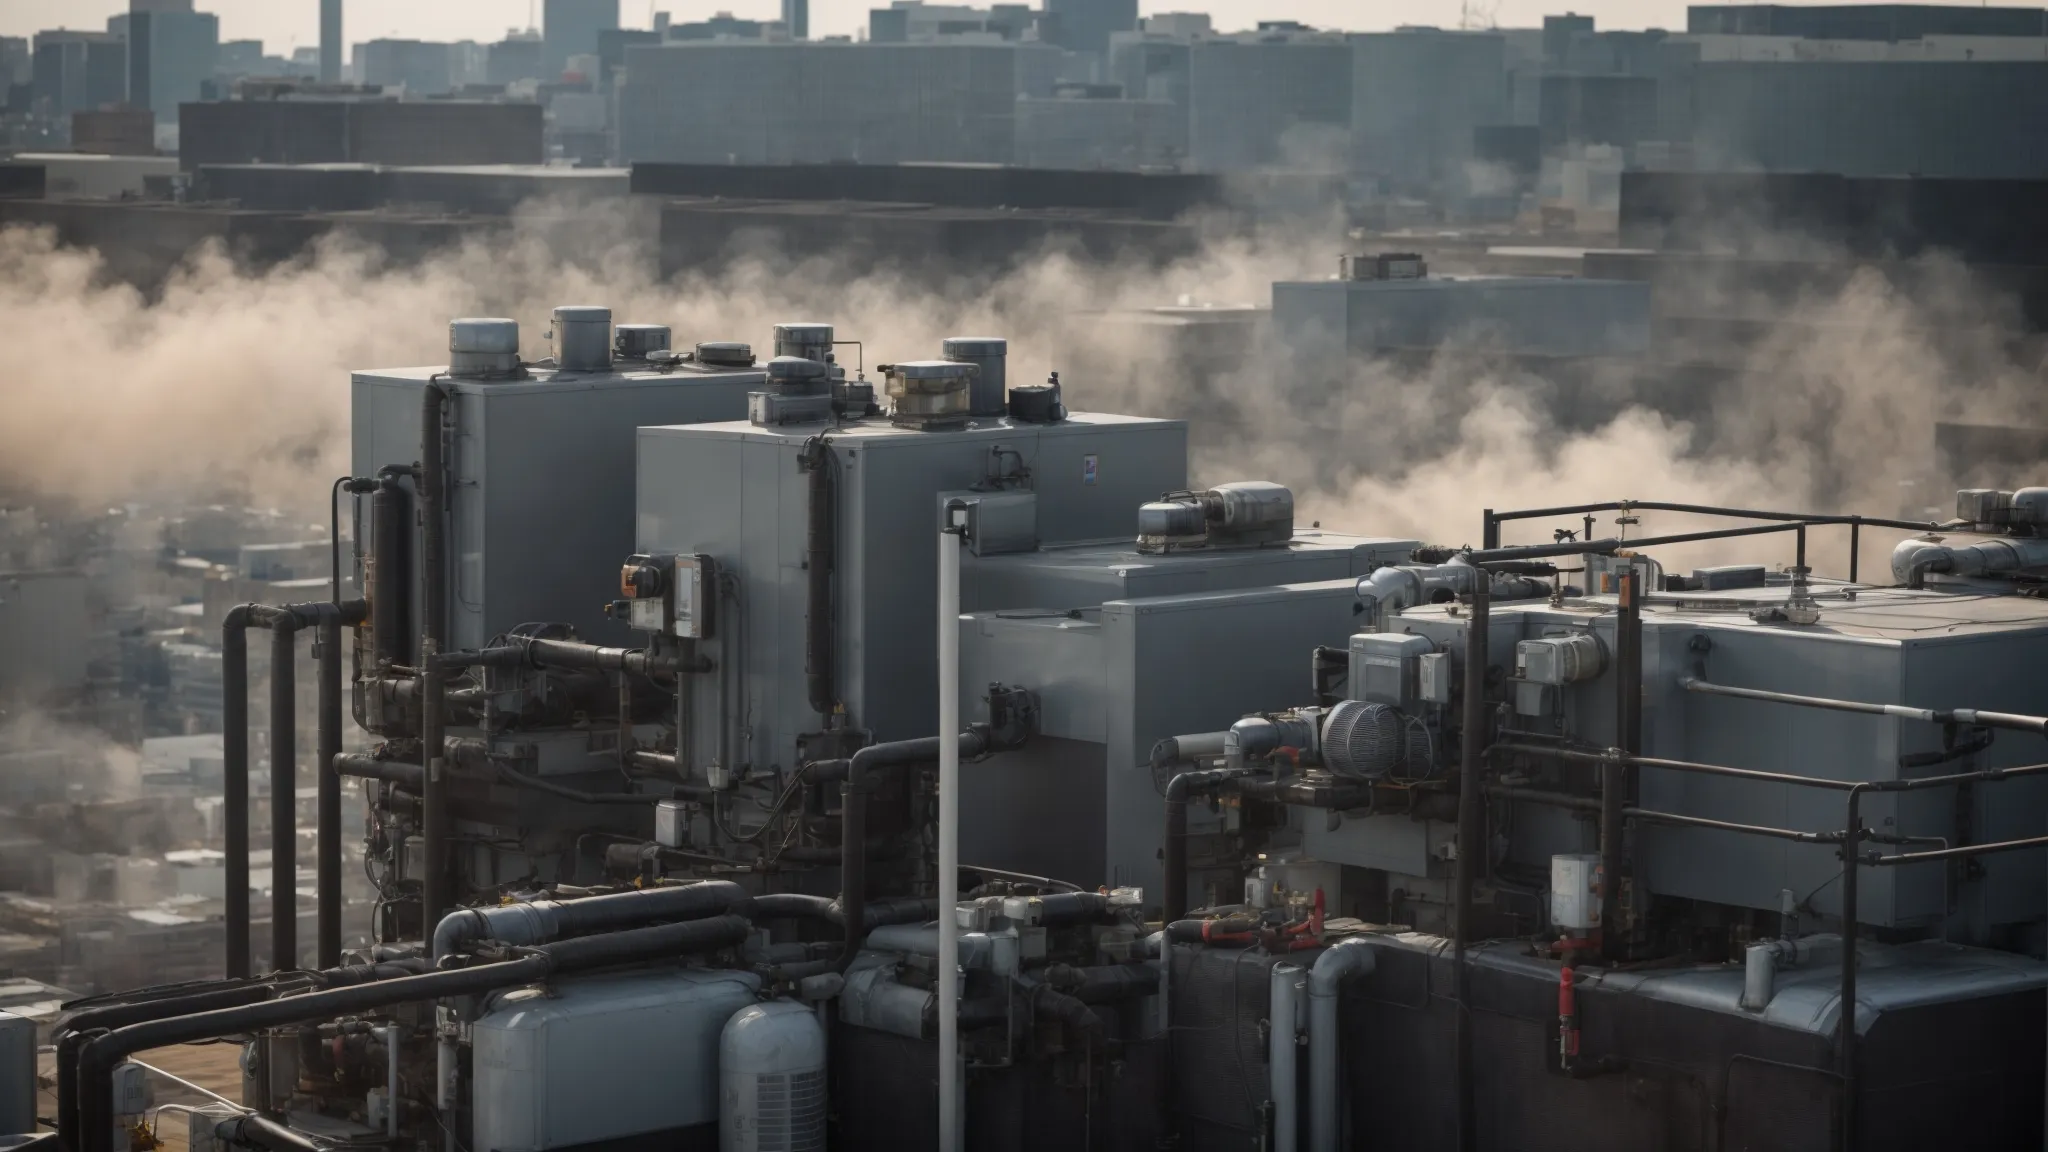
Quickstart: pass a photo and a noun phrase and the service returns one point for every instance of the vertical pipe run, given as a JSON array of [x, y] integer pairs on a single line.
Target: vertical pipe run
[[950, 540], [820, 654], [1845, 1037], [1628, 676], [388, 573], [1855, 547], [391, 1034], [1282, 1037], [234, 665], [433, 513], [284, 786], [435, 901], [328, 851], [1473, 739], [1489, 530]]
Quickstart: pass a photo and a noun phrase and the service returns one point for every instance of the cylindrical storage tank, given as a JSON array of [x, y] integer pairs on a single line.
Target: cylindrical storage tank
[[635, 341], [797, 376], [583, 338], [771, 1080], [483, 346], [990, 394], [810, 341]]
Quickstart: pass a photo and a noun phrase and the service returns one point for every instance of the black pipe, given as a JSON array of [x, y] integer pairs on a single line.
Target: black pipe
[[100, 1056], [387, 586], [78, 1026], [1061, 908], [2011, 721], [1077, 1018], [284, 787], [1845, 1034], [875, 914], [1628, 680], [575, 654], [853, 814], [1043, 883], [327, 746], [435, 895], [536, 921], [430, 482], [234, 673], [1610, 545], [362, 764], [1474, 738], [1178, 789], [258, 1131], [1704, 510], [820, 658]]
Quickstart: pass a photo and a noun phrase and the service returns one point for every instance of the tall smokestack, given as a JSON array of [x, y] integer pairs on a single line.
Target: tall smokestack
[[330, 41]]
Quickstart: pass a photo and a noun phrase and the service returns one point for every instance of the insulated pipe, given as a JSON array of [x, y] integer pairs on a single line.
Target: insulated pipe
[[952, 537], [1193, 746], [1349, 957], [327, 746], [574, 654], [429, 482], [1912, 560], [435, 897], [820, 658], [101, 1055], [2007, 720], [259, 1131], [284, 787], [1473, 738], [387, 584], [853, 814], [1281, 1081], [234, 672], [1178, 789], [1628, 679], [361, 764], [540, 921]]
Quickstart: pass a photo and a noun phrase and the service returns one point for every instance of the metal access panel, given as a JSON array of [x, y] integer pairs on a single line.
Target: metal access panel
[[734, 491], [1112, 682], [1086, 575], [541, 482]]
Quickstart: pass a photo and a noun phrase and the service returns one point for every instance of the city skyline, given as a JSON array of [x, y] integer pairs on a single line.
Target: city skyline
[[287, 24]]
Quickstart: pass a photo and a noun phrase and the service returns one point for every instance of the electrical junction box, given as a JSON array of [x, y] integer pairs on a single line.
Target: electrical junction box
[[1575, 892], [693, 588], [1433, 677], [1385, 667], [671, 824]]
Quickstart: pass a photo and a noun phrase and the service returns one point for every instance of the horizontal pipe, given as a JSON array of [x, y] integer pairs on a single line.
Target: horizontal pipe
[[572, 654], [410, 777], [1712, 510], [2006, 720], [1611, 545], [1606, 755], [1649, 815], [539, 921], [1961, 852], [262, 1132]]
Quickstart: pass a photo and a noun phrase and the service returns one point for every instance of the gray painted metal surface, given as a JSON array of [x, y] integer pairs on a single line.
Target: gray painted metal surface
[[602, 1057], [1089, 473], [542, 482], [1113, 682]]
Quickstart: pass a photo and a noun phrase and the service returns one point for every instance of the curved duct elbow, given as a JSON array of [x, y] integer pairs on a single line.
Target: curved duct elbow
[[1913, 560], [1241, 514], [1396, 587]]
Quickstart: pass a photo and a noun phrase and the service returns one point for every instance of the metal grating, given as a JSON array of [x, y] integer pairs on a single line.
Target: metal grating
[[791, 1111]]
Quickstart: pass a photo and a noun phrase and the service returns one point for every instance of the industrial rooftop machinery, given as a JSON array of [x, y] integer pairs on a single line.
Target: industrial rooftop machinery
[[742, 734]]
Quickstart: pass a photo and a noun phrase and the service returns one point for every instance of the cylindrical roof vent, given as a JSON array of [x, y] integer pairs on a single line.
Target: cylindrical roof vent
[[810, 341], [930, 394], [725, 354], [990, 395], [583, 338], [797, 376], [480, 347], [635, 341]]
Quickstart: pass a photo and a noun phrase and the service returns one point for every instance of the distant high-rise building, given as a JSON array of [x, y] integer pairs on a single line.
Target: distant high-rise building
[[570, 28], [172, 52], [1887, 22], [796, 17], [420, 66], [240, 58], [517, 57], [330, 41], [1085, 25], [76, 70], [16, 61]]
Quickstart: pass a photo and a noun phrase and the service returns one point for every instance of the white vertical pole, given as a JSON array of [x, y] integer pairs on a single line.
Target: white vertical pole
[[950, 535]]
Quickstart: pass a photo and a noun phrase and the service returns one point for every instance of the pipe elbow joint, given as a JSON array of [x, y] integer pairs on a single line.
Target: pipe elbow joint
[[1354, 956]]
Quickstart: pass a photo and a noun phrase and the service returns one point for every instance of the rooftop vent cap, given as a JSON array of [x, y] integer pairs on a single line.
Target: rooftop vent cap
[[808, 340], [989, 394], [483, 347], [583, 338], [1245, 513], [797, 376], [635, 341], [726, 354], [930, 394]]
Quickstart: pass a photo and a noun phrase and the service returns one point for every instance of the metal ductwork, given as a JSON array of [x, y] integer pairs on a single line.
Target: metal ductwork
[[636, 341], [1915, 559], [1243, 514], [1395, 587], [930, 395]]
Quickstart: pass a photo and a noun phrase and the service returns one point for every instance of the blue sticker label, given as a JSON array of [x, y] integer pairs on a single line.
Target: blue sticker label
[[1088, 469]]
